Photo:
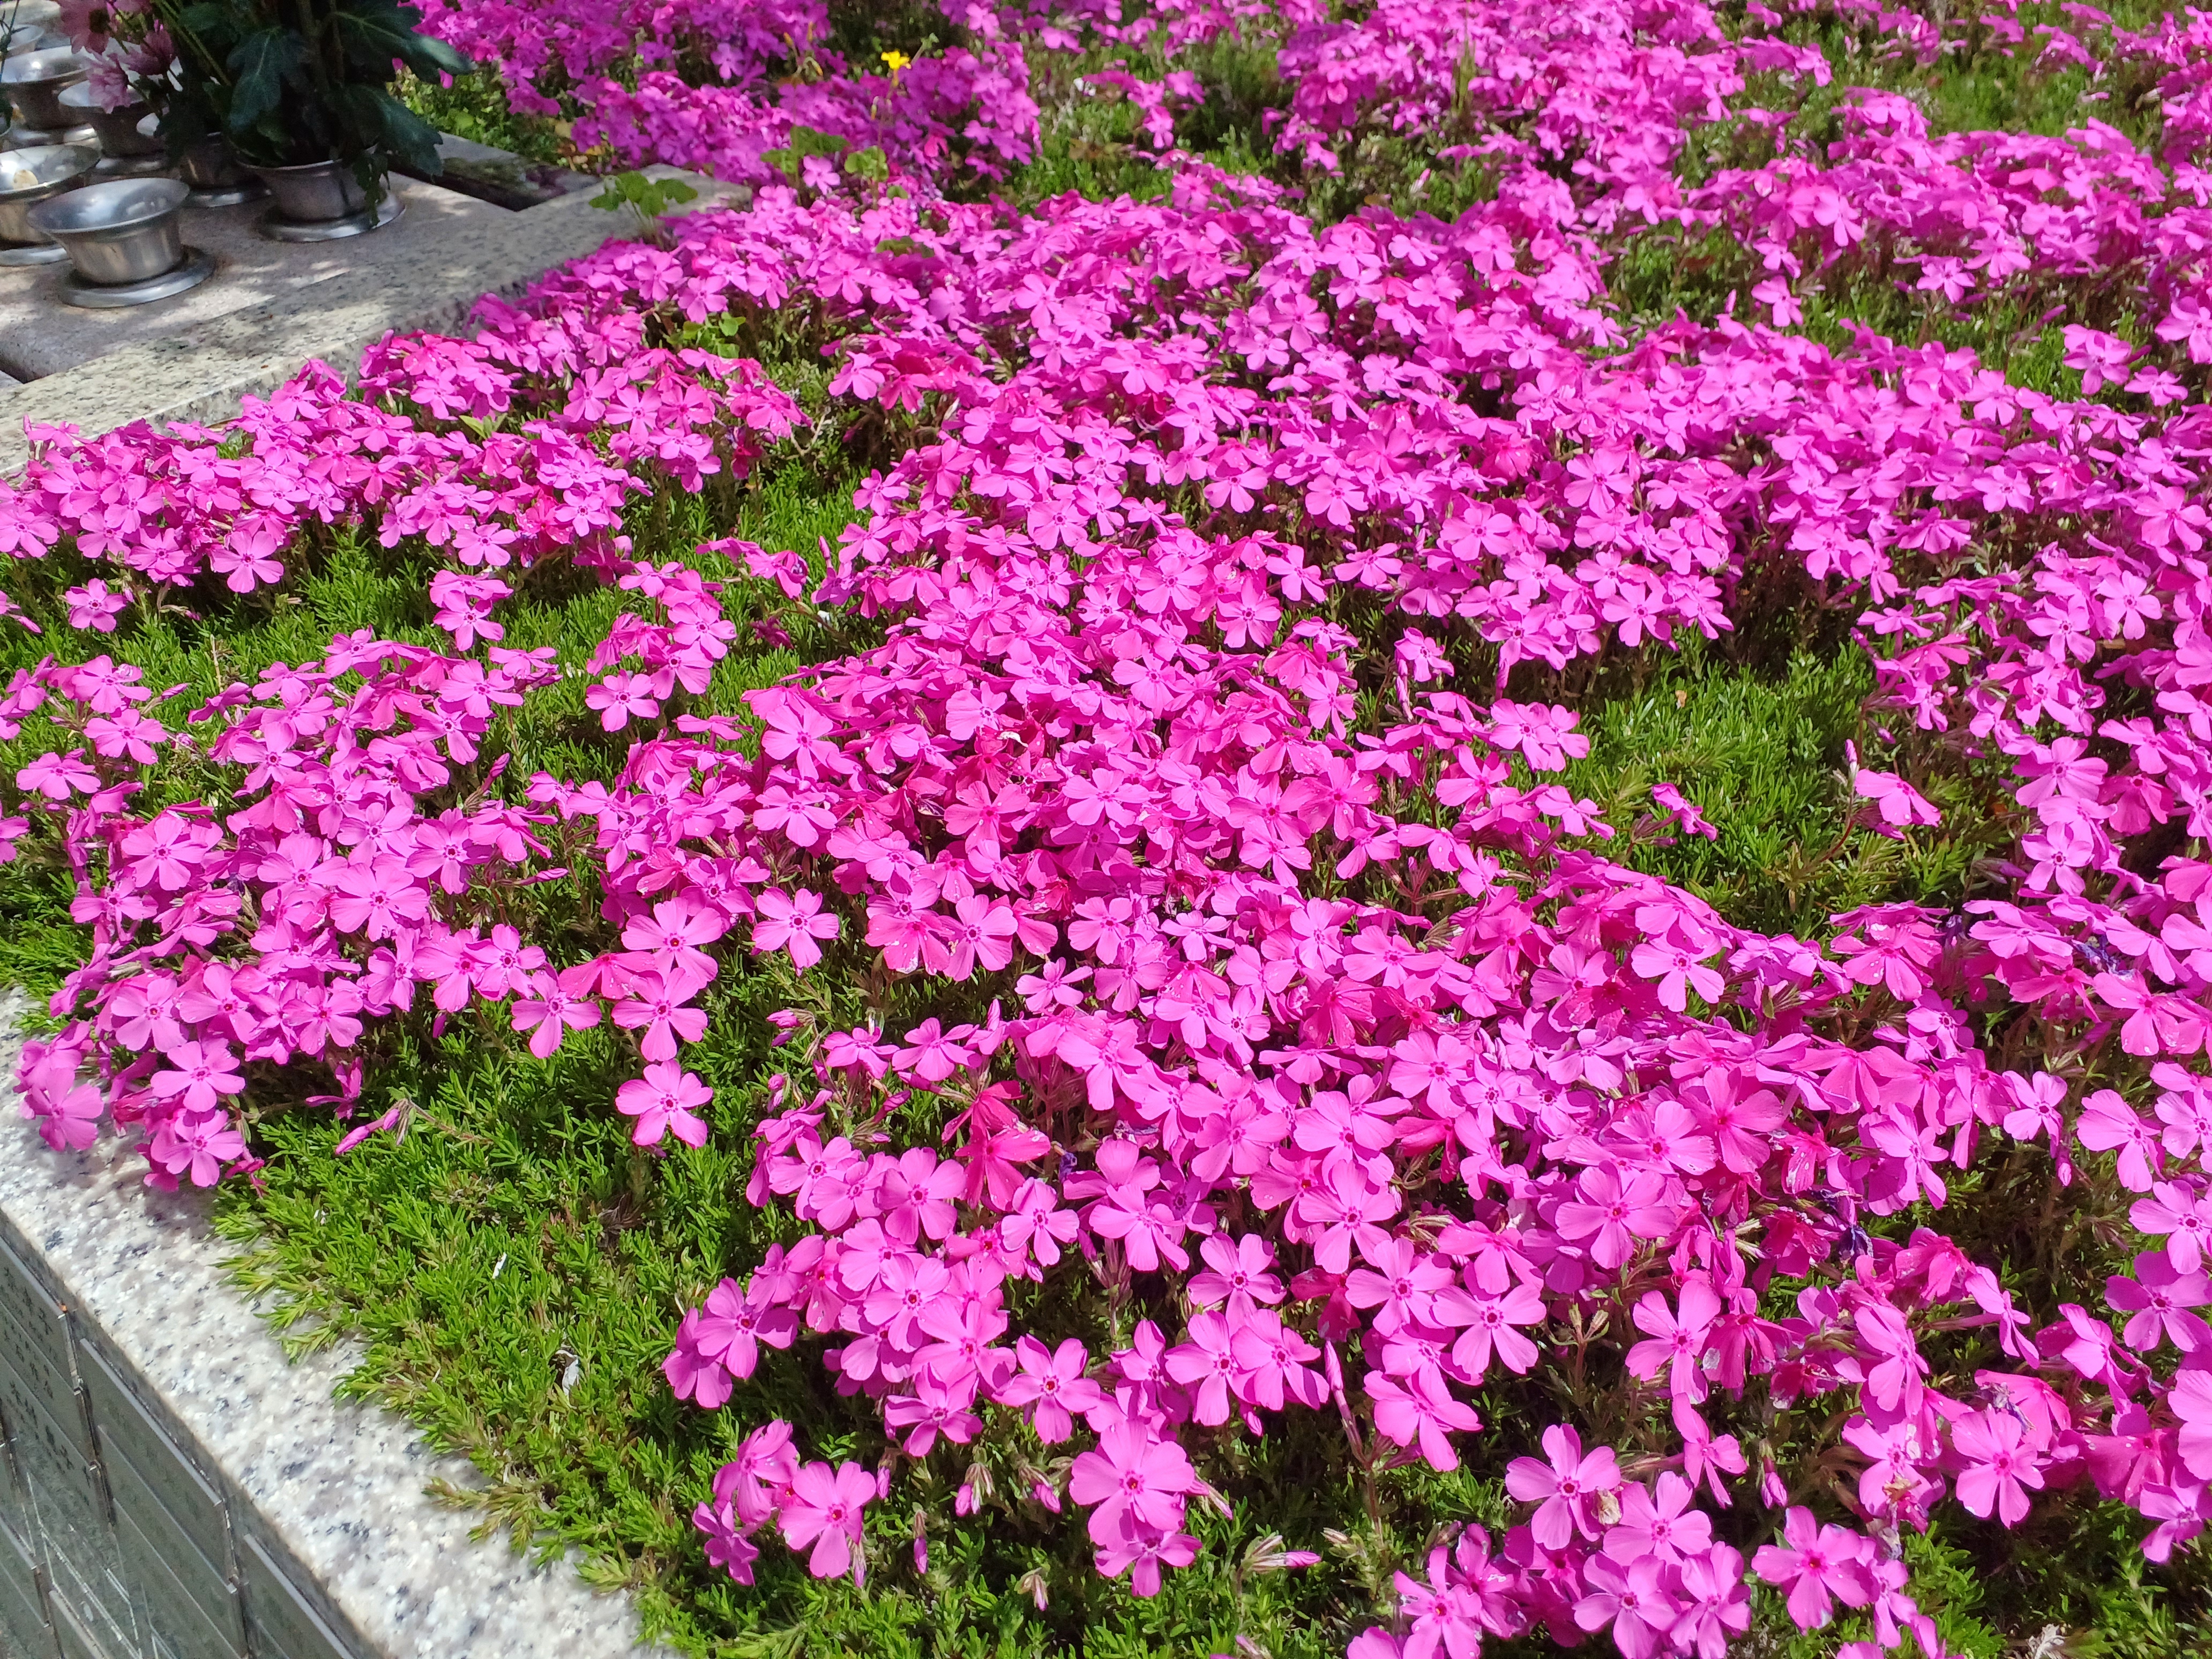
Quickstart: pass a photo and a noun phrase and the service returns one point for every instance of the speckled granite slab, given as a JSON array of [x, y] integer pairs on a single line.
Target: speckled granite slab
[[199, 373], [41, 336], [189, 1487]]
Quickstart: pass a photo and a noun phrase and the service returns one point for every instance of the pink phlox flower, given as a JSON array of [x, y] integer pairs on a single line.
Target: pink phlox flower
[[619, 698], [1897, 804], [1659, 1522], [665, 1099], [792, 922], [2190, 1400], [1631, 1597], [553, 1005], [727, 1542], [692, 1373], [1676, 1341], [1273, 1364], [1037, 1226], [672, 935], [57, 777], [94, 606], [201, 1074], [2158, 1299], [758, 1480], [1612, 1214], [1671, 801], [1490, 1328], [825, 1509], [733, 1323], [463, 606], [1405, 1286], [1141, 1553], [2108, 1123], [70, 1118], [2000, 1466], [199, 1143], [1716, 1603], [935, 1406], [1818, 1566], [1419, 1412], [1543, 732], [659, 1002], [1052, 1384], [2102, 358], [1134, 1479], [2037, 1107], [1238, 1273], [1205, 1363], [1565, 1488], [2184, 1214]]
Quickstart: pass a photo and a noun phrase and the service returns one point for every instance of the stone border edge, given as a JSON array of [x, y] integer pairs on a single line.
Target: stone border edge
[[173, 1489]]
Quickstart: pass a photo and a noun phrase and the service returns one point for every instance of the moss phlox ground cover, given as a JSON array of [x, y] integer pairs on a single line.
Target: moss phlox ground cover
[[1306, 1046]]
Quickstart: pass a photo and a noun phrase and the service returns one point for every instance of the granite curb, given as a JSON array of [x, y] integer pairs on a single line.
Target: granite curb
[[176, 1489], [200, 373]]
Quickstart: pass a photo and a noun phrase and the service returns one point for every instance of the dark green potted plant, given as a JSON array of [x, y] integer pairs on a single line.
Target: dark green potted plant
[[302, 92]]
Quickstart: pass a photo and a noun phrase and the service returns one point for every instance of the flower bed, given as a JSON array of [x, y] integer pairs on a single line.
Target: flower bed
[[1240, 1089]]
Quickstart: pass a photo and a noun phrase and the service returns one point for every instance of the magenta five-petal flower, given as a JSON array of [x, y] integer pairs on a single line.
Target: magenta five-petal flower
[[1818, 1566], [1052, 1384], [825, 1509], [199, 1075], [1135, 1481], [1565, 1487], [666, 1099]]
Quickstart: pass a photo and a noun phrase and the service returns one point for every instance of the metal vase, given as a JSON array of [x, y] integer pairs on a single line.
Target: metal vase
[[28, 177], [315, 194], [117, 129], [35, 83], [124, 231]]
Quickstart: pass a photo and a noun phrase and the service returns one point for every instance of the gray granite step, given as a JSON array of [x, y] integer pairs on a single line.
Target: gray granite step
[[276, 307], [174, 1489]]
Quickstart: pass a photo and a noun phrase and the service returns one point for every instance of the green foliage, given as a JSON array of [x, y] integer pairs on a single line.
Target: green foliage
[[474, 106], [650, 196], [1762, 757], [295, 82]]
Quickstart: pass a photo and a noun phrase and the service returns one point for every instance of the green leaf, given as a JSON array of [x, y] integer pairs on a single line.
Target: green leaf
[[868, 164], [651, 197], [805, 141], [412, 141], [372, 31], [259, 64]]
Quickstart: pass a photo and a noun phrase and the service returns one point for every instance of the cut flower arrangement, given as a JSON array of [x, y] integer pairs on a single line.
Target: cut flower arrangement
[[1215, 1026]]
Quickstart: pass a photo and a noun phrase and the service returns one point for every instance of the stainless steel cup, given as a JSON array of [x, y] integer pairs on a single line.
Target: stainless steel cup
[[127, 230]]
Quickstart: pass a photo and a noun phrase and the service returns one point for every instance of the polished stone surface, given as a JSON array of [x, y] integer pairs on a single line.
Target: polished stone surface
[[39, 336], [329, 1523], [199, 373]]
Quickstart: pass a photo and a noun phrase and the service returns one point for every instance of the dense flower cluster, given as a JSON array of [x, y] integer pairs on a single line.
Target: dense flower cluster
[[1323, 1040], [624, 65]]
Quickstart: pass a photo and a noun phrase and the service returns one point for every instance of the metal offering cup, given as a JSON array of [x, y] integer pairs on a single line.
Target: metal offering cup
[[127, 230]]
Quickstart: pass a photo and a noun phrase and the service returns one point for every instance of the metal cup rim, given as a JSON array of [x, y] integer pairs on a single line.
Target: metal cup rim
[[88, 159], [73, 68], [176, 195]]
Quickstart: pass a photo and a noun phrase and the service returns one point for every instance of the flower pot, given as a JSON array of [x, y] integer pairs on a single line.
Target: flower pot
[[212, 170], [28, 177], [117, 129], [126, 230], [320, 201], [35, 81]]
